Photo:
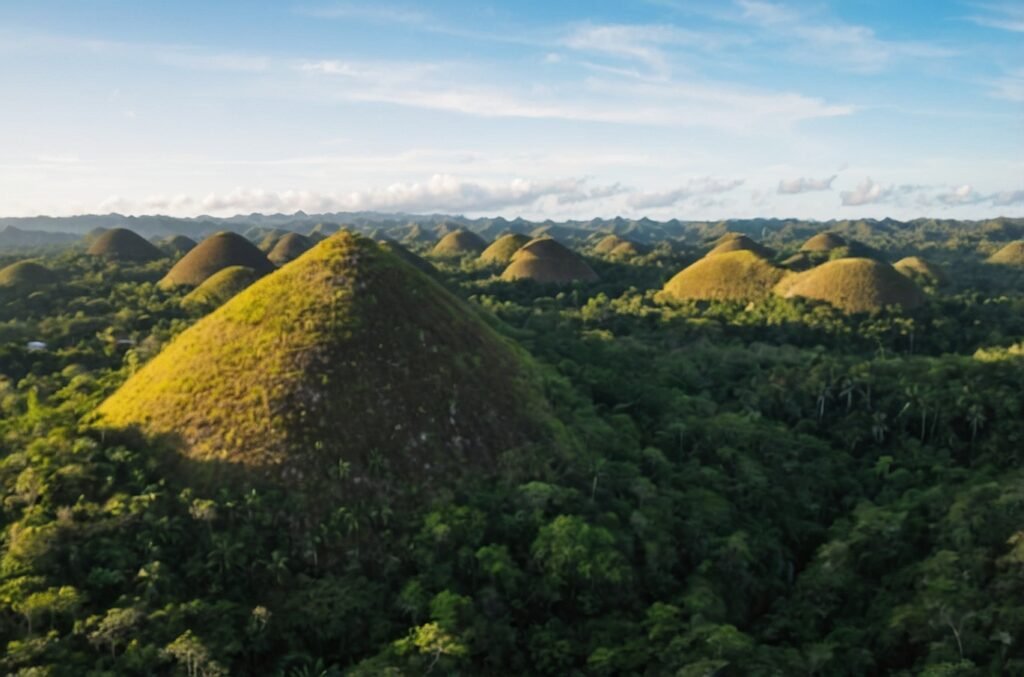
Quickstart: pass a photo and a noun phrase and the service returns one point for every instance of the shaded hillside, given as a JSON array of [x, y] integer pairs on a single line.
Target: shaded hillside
[[213, 254]]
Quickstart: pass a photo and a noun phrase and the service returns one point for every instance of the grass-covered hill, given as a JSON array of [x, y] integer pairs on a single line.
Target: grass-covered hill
[[1012, 254], [740, 275], [547, 261], [26, 275], [735, 243], [348, 355], [213, 254], [288, 247], [458, 243], [824, 242], [921, 270], [501, 251], [179, 244], [122, 244], [219, 287], [854, 285]]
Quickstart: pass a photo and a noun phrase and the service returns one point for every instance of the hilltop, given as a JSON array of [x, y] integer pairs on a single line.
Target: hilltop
[[122, 244], [213, 254], [288, 247], [459, 243], [220, 287], [1011, 254], [547, 261], [854, 285], [739, 275], [348, 354], [26, 275], [504, 248]]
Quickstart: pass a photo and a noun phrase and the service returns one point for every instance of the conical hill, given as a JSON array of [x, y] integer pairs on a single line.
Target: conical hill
[[1010, 255], [855, 285], [220, 287], [547, 261], [121, 244], [823, 242], [348, 357], [459, 243], [179, 244], [504, 248], [288, 247], [739, 275], [213, 254], [920, 270], [26, 275], [741, 243]]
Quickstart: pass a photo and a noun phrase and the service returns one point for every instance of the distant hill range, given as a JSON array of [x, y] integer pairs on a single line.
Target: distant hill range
[[43, 231]]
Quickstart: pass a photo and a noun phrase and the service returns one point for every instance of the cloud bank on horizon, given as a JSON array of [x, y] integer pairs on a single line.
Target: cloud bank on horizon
[[691, 109]]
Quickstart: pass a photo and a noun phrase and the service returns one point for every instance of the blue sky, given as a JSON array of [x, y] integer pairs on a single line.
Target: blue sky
[[665, 108]]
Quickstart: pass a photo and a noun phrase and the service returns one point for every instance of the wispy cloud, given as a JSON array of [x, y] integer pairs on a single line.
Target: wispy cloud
[[1006, 16], [645, 43], [442, 192], [703, 186], [830, 41], [867, 192], [1010, 86], [804, 185]]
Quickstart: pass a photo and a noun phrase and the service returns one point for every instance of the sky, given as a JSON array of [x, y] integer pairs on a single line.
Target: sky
[[687, 109]]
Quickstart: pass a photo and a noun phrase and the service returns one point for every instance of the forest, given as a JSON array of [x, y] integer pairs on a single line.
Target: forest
[[769, 485]]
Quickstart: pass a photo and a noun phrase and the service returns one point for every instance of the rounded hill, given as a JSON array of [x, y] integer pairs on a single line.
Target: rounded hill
[[824, 242], [547, 261], [1010, 255], [504, 248], [855, 285], [26, 274], [179, 244], [741, 243], [220, 287], [121, 244], [213, 254], [920, 270], [739, 275], [347, 357], [459, 243], [402, 252], [289, 247]]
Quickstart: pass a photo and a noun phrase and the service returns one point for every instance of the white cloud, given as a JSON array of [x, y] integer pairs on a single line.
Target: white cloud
[[448, 87], [1006, 16], [695, 187], [850, 46], [440, 193], [640, 42], [867, 192], [961, 195], [1008, 198], [1010, 86], [804, 185]]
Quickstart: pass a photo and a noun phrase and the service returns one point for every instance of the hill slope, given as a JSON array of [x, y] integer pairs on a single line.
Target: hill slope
[[732, 276], [504, 248], [347, 354], [854, 285], [459, 243], [546, 261], [213, 254], [26, 274], [122, 244]]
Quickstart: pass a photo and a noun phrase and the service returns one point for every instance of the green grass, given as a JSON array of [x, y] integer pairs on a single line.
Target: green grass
[[348, 355], [741, 243], [214, 254], [459, 243], [26, 274], [220, 287]]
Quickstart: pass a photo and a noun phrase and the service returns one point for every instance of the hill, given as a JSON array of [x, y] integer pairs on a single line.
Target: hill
[[920, 270], [824, 242], [734, 243], [288, 247], [547, 261], [504, 248], [459, 243], [739, 275], [415, 260], [26, 275], [213, 254], [220, 287], [347, 355], [179, 244], [854, 285], [1010, 255], [122, 244]]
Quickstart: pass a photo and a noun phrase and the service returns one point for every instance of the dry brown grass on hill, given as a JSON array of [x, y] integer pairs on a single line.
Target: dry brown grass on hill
[[459, 243], [219, 287], [823, 242], [854, 285], [179, 244], [547, 261], [504, 248], [1010, 255], [289, 247], [920, 270], [740, 275], [741, 243], [26, 275], [121, 244]]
